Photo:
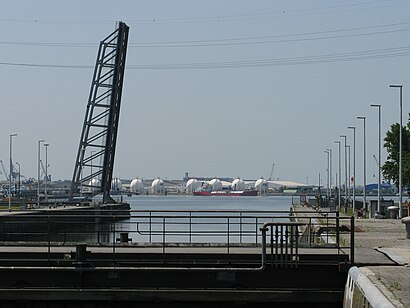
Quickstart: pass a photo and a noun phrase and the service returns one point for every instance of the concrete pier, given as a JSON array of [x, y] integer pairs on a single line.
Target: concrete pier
[[382, 254]]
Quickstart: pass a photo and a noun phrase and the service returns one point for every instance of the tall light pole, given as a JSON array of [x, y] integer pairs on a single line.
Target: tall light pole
[[91, 181], [11, 168], [354, 165], [45, 187], [400, 147], [340, 178], [330, 173], [327, 171], [81, 173], [364, 161], [379, 159], [348, 183], [38, 172], [19, 186], [345, 138]]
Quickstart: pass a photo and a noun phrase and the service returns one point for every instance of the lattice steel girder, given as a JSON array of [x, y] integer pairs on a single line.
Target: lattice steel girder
[[100, 127]]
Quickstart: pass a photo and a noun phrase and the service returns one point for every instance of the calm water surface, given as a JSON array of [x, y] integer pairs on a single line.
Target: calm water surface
[[151, 221], [170, 202]]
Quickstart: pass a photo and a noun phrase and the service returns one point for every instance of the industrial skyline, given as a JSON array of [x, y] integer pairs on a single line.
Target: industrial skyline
[[210, 88]]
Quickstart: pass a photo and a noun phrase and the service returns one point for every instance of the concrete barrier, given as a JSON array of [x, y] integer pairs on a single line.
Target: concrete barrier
[[361, 292]]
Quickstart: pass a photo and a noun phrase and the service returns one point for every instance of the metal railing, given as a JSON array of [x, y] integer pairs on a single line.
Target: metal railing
[[222, 230]]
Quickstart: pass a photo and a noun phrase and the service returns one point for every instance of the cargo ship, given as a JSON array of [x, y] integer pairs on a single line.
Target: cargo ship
[[225, 193]]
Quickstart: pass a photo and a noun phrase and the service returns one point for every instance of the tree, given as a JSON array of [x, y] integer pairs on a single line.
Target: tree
[[391, 143]]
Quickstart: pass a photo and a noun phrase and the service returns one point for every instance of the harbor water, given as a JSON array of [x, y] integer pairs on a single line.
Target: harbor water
[[201, 219]]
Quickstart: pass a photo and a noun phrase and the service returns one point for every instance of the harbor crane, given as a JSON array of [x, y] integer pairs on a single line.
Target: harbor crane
[[43, 171], [4, 170], [271, 172], [377, 163]]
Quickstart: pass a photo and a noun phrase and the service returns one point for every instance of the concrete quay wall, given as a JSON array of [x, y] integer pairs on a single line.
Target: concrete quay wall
[[15, 224]]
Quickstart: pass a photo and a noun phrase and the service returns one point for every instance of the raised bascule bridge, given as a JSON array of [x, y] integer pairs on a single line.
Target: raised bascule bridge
[[108, 255]]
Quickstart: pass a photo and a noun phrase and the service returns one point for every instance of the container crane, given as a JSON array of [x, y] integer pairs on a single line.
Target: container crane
[[43, 172], [271, 172], [4, 170]]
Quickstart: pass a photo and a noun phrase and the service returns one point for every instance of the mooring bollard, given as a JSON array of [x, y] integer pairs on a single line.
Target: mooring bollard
[[406, 221]]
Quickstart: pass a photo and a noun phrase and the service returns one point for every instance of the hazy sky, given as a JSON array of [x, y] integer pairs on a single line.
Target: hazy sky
[[213, 88]]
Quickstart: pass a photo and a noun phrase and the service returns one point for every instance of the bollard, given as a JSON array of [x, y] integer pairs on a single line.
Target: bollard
[[81, 253], [406, 221]]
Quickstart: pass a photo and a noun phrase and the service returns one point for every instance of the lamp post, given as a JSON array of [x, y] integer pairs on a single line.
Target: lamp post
[[19, 185], [327, 172], [364, 161], [92, 157], [38, 171], [340, 178], [354, 165], [11, 168], [379, 159], [400, 147], [348, 176], [45, 187], [345, 138], [330, 172], [81, 173]]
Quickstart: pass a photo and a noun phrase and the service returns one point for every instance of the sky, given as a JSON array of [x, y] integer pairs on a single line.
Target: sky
[[213, 88]]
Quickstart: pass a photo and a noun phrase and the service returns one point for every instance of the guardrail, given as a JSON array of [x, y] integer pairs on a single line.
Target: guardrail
[[283, 237]]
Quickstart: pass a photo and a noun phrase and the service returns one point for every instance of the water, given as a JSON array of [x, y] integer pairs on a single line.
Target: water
[[201, 219], [206, 203]]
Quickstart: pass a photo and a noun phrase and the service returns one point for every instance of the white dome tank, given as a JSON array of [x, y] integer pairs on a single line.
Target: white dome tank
[[261, 185], [192, 185], [136, 185], [158, 186], [238, 184], [215, 184], [116, 184], [95, 183]]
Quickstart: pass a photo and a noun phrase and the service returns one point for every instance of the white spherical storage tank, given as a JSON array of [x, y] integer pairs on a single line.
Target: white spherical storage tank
[[92, 186], [261, 185], [136, 185], [238, 184], [116, 184], [158, 186], [192, 185], [95, 183], [215, 184]]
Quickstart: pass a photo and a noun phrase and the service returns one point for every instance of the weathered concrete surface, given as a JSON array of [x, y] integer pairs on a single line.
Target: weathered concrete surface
[[383, 253]]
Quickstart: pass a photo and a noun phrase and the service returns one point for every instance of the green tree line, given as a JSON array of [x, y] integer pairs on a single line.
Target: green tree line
[[390, 168]]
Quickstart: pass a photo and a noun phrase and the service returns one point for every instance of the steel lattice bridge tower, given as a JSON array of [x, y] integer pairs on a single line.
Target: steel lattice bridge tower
[[95, 157]]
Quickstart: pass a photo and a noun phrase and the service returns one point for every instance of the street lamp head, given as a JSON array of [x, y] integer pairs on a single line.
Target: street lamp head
[[46, 144], [361, 118], [13, 135], [351, 127], [343, 136], [375, 105], [337, 141], [396, 86]]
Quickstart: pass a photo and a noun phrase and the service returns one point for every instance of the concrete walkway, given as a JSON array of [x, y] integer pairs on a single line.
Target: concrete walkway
[[382, 253]]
